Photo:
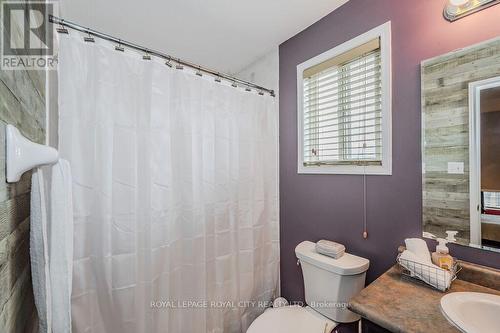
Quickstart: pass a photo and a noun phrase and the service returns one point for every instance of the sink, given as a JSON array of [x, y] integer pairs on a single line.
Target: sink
[[472, 312]]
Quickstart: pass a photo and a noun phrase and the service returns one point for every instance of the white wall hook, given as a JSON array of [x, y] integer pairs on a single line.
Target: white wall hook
[[23, 155]]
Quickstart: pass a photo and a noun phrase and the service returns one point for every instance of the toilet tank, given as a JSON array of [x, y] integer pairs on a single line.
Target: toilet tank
[[329, 283]]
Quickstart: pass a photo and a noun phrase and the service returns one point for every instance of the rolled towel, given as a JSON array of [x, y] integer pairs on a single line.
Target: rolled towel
[[419, 248], [331, 249]]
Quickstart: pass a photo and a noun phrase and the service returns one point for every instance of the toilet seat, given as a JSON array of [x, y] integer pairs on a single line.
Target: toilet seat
[[291, 319]]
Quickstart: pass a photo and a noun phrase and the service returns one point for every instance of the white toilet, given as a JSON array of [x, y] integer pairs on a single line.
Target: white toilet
[[329, 284]]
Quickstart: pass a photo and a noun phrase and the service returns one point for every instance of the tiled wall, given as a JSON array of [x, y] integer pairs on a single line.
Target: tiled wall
[[22, 103]]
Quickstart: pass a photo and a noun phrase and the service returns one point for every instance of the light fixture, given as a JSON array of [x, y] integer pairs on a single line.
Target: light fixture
[[460, 2], [456, 9]]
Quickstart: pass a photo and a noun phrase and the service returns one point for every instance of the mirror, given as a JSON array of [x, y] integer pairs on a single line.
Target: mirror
[[461, 146], [484, 132]]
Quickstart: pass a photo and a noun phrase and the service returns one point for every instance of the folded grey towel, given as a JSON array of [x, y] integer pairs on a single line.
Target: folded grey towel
[[329, 248]]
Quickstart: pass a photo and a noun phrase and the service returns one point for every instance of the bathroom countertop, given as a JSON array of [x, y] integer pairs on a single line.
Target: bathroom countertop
[[398, 304]]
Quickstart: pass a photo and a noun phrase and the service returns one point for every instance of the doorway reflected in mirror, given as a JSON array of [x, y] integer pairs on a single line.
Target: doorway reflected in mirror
[[485, 163]]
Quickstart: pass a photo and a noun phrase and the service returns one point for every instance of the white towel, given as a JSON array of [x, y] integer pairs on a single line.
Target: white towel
[[419, 247], [329, 248], [429, 273], [61, 246], [39, 253]]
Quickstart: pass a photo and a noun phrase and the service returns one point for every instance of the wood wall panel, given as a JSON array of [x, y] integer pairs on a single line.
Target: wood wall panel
[[22, 103], [445, 133]]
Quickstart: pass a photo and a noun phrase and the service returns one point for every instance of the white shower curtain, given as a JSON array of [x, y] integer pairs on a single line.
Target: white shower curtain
[[175, 195]]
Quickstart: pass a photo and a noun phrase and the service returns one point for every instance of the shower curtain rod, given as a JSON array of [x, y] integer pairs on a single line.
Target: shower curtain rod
[[150, 52]]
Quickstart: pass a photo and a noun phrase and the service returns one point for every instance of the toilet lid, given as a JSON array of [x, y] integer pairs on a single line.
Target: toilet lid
[[291, 319]]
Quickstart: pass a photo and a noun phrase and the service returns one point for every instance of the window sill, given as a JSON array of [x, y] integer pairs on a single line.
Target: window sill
[[345, 170]]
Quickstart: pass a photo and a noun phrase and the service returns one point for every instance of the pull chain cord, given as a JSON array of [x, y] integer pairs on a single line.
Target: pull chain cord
[[365, 232]]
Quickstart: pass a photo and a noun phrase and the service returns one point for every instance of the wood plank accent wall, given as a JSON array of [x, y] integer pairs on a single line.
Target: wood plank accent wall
[[22, 103], [445, 133]]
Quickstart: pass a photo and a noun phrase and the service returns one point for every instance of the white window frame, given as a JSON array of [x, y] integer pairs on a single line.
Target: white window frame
[[475, 89], [384, 33]]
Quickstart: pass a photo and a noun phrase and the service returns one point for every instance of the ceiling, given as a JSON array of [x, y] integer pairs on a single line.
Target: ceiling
[[226, 35]]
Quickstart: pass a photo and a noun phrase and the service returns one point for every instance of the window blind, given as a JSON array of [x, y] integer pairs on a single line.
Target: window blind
[[491, 200], [343, 109]]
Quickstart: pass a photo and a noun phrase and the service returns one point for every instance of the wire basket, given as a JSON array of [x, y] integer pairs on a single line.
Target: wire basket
[[431, 275]]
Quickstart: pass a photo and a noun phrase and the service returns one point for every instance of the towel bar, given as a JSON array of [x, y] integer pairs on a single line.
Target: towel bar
[[23, 155]]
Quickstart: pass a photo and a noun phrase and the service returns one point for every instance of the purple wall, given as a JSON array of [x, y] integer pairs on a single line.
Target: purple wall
[[327, 206]]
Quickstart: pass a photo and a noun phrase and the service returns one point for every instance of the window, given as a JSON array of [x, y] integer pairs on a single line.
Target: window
[[345, 107], [491, 203]]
